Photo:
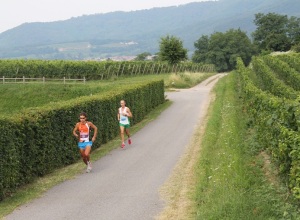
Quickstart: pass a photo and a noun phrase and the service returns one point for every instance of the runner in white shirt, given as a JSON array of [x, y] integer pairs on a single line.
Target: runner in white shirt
[[124, 114]]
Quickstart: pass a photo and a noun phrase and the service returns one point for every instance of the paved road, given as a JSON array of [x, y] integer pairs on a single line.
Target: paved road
[[125, 183]]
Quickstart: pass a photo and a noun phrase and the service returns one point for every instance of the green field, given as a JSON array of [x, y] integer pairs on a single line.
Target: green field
[[17, 97]]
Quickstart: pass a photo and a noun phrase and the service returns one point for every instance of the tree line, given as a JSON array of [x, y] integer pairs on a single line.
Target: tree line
[[274, 32]]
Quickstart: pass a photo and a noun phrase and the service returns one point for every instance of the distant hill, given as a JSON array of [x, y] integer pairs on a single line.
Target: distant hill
[[130, 33]]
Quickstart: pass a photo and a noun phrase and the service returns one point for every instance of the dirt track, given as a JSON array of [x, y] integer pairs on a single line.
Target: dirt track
[[125, 183]]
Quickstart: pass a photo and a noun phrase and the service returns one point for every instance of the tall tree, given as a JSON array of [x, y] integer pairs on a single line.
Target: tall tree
[[202, 48], [222, 49], [142, 56], [294, 30], [171, 50], [272, 32]]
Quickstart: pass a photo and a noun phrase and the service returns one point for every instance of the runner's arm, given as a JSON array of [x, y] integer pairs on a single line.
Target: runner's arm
[[95, 131]]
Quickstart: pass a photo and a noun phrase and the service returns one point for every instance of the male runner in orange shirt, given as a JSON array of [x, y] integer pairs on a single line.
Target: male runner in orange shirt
[[84, 143]]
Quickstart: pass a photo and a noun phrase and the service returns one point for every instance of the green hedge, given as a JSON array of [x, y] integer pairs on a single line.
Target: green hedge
[[40, 140]]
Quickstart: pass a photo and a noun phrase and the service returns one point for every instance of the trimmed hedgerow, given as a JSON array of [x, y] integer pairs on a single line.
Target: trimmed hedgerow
[[40, 139]]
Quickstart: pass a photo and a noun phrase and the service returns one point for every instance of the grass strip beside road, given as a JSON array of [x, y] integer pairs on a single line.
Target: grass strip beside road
[[222, 174], [231, 183]]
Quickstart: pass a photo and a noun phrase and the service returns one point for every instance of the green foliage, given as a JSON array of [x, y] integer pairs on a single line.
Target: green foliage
[[202, 48], [222, 49], [294, 30], [284, 70], [171, 50], [269, 82], [142, 56], [276, 121], [276, 32], [91, 70], [230, 180], [292, 59], [296, 48], [39, 140]]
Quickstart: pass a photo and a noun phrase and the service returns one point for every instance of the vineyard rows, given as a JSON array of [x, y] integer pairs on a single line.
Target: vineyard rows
[[271, 94], [93, 70]]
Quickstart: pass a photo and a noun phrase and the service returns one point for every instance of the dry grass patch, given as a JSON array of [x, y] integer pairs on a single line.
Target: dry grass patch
[[186, 79], [270, 171]]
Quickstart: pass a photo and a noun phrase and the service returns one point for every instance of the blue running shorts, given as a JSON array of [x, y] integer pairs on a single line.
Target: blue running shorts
[[83, 145]]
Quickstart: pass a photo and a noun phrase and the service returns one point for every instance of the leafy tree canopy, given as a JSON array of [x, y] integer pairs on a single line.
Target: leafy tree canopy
[[171, 50], [222, 49], [276, 32], [142, 56], [202, 48]]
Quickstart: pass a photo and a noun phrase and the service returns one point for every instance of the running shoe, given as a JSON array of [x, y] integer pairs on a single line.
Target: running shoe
[[89, 167], [123, 145], [129, 140]]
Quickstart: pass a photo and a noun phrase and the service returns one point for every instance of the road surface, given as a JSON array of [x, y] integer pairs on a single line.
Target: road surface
[[125, 183]]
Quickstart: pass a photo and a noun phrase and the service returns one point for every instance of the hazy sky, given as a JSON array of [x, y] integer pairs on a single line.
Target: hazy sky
[[16, 12]]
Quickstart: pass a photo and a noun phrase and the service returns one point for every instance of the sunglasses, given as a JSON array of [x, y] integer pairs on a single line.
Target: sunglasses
[[81, 118]]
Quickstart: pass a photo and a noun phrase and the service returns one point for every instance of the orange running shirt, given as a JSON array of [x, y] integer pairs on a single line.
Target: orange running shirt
[[84, 132]]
